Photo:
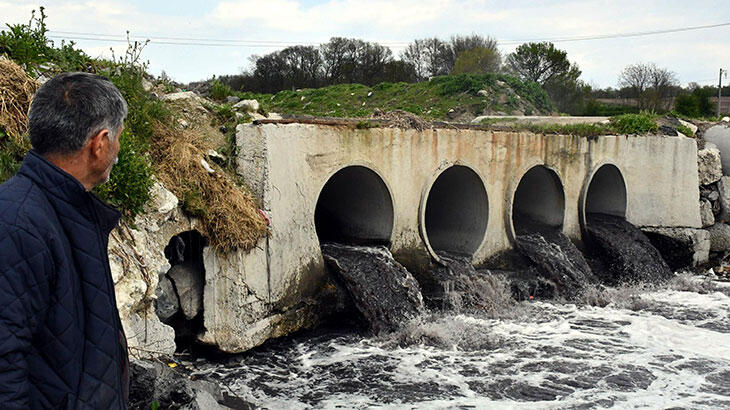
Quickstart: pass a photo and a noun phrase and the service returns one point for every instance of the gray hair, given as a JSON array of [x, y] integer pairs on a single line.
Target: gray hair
[[70, 108]]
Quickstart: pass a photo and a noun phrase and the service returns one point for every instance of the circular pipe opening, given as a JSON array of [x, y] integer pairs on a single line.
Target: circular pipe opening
[[539, 201], [354, 207], [606, 193], [457, 210]]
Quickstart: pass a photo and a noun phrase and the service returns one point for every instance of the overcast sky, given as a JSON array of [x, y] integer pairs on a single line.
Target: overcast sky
[[693, 55]]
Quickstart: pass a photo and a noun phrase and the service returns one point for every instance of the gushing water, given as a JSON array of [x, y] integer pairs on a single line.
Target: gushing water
[[383, 290], [667, 347], [625, 253], [555, 258]]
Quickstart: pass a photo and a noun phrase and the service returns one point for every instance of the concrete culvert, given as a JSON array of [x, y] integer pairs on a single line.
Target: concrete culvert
[[539, 201], [457, 211], [606, 193], [354, 207]]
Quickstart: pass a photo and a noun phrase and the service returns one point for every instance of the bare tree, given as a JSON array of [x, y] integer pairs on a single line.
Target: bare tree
[[649, 84]]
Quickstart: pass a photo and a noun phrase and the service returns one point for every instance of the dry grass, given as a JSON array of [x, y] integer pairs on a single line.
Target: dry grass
[[230, 217], [402, 119], [16, 93]]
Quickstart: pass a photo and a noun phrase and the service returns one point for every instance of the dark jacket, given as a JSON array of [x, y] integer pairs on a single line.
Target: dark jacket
[[61, 341]]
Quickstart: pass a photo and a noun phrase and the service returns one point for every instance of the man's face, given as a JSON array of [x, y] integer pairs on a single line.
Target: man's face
[[112, 153]]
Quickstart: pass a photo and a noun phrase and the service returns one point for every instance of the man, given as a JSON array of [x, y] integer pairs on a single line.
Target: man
[[61, 340]]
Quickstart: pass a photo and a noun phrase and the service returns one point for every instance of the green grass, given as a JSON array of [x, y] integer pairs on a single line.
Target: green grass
[[640, 124], [643, 123], [431, 100], [685, 130]]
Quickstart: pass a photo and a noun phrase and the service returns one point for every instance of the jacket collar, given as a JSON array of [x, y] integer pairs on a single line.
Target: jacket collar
[[60, 185]]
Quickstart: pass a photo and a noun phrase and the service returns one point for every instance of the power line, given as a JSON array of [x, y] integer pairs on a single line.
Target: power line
[[217, 42]]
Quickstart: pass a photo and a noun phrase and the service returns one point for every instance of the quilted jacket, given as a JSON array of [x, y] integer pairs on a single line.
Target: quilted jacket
[[61, 341]]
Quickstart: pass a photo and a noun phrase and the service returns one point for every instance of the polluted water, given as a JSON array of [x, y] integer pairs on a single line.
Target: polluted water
[[625, 254], [667, 347], [630, 346]]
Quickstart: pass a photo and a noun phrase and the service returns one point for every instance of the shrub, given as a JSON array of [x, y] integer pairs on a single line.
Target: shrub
[[219, 91], [642, 123]]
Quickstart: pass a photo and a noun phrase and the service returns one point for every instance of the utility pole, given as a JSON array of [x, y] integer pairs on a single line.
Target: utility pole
[[719, 92]]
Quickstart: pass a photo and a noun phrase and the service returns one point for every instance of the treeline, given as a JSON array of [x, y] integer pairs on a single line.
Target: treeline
[[346, 60]]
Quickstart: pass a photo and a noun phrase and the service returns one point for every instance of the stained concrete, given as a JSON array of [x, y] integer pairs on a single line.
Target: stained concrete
[[264, 293]]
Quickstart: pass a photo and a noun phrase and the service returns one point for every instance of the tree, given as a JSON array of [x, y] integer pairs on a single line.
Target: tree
[[461, 44], [476, 61], [649, 84], [538, 62], [429, 56]]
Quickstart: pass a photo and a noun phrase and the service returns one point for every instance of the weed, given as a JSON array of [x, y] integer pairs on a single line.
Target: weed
[[219, 91], [685, 130], [642, 123]]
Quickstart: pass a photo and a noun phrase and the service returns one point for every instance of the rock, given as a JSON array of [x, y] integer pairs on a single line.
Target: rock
[[189, 281], [708, 218], [182, 123], [713, 196], [156, 382], [247, 105], [681, 247], [370, 94], [232, 99], [723, 188], [147, 84], [163, 201], [214, 156], [719, 237], [502, 99], [182, 95], [223, 129], [667, 130], [483, 93], [148, 337], [207, 166], [720, 136], [725, 119], [167, 303], [709, 165]]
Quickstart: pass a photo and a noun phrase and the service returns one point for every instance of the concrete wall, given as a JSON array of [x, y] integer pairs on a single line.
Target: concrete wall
[[287, 165]]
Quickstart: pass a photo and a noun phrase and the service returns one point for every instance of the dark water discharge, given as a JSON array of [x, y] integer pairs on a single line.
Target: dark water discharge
[[384, 292], [659, 349], [555, 258], [624, 252], [623, 347]]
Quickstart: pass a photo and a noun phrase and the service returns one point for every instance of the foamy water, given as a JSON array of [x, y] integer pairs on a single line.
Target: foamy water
[[665, 349]]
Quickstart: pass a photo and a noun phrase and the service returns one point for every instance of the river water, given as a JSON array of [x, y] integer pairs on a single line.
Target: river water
[[624, 348]]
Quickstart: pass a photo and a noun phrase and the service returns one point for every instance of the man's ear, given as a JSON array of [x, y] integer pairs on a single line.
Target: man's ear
[[98, 144]]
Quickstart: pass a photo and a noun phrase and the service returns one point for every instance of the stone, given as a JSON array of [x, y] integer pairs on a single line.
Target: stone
[[483, 93], [247, 105], [147, 337], [167, 303], [216, 157], [232, 99], [189, 281], [681, 247], [181, 96], [163, 201], [153, 381], [720, 136], [147, 84], [709, 165], [723, 188], [706, 214], [183, 123], [713, 196], [725, 119], [719, 237]]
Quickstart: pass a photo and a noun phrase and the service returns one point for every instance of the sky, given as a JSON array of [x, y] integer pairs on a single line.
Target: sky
[[241, 28]]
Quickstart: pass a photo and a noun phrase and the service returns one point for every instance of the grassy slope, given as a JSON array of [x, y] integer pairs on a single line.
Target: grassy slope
[[429, 99]]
